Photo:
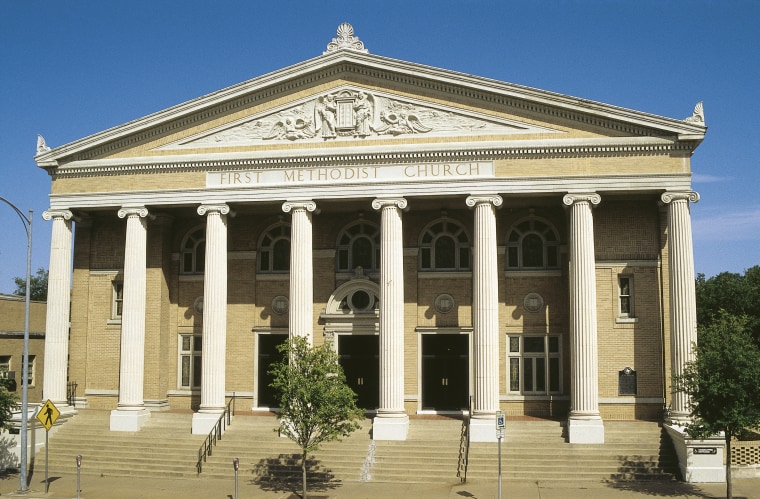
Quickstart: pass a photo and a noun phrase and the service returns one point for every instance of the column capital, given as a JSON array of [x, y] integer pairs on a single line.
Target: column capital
[[380, 203], [307, 205], [51, 214], [221, 208], [128, 211], [571, 198], [475, 200], [670, 196]]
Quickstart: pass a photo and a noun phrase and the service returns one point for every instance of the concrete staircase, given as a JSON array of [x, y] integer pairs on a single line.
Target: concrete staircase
[[532, 450], [164, 447], [266, 457], [537, 450], [429, 454]]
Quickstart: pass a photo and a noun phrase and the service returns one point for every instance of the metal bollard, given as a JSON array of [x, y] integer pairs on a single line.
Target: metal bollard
[[236, 465], [79, 469]]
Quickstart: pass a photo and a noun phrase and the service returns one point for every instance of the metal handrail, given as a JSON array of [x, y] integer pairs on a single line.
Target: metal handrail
[[215, 434], [464, 445], [71, 393]]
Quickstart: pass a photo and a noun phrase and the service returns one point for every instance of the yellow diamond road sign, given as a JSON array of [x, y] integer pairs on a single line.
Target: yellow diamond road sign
[[47, 414]]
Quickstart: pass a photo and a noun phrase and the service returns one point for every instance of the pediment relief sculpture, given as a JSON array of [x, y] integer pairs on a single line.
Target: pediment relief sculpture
[[349, 113]]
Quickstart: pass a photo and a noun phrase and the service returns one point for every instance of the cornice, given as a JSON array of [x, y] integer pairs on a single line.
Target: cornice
[[426, 78], [400, 153], [512, 186]]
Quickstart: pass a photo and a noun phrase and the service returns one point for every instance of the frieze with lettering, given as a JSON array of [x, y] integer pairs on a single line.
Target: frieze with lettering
[[352, 174]]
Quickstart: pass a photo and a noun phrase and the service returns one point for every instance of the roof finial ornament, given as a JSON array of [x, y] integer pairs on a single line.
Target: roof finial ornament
[[698, 117], [41, 146], [345, 40]]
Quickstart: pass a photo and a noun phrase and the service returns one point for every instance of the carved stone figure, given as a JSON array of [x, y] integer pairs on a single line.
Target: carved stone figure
[[400, 123], [324, 116], [363, 115], [290, 128]]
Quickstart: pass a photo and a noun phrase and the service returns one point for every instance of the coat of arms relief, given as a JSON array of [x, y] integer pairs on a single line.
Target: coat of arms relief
[[351, 113]]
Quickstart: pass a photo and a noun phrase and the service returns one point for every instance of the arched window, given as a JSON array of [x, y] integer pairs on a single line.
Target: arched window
[[359, 246], [532, 243], [445, 245], [194, 251], [274, 249]]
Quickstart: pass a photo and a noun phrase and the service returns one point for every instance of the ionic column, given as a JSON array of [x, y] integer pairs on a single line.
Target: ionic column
[[301, 309], [485, 318], [214, 349], [683, 308], [392, 422], [58, 306], [585, 423], [130, 414]]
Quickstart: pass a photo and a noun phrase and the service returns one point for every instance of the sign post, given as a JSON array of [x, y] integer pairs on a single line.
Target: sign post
[[500, 429], [47, 416]]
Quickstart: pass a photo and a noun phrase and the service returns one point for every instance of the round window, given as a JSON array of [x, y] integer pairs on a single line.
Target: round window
[[360, 301]]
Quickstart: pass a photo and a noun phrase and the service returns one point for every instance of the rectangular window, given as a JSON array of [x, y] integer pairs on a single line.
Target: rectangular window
[[535, 365], [190, 361], [118, 298], [625, 296], [30, 371]]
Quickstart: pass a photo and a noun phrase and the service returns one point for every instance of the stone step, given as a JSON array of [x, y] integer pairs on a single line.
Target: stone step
[[531, 450]]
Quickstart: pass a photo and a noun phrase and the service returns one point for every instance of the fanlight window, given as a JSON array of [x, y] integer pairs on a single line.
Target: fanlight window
[[532, 243], [445, 245], [359, 246], [194, 251], [274, 250]]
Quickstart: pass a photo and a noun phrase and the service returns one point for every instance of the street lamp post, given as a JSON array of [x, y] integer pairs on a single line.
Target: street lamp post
[[27, 221]]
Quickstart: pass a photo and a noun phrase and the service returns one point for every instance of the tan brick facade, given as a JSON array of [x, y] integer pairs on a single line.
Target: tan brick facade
[[529, 151]]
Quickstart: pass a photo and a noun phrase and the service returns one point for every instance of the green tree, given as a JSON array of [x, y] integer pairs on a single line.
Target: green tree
[[735, 293], [723, 382], [316, 403], [8, 402], [38, 285]]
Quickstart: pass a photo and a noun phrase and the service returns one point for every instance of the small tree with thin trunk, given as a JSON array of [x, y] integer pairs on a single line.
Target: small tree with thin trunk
[[723, 382], [316, 403]]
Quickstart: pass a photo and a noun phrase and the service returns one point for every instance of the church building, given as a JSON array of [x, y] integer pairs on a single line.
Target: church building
[[464, 244]]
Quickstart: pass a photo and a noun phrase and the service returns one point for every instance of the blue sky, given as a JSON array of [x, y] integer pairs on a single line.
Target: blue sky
[[71, 69]]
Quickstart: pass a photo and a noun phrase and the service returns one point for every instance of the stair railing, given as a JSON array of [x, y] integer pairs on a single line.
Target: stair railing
[[215, 434], [71, 393], [464, 445]]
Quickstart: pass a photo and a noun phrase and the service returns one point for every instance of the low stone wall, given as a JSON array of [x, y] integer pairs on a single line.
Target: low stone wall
[[745, 458]]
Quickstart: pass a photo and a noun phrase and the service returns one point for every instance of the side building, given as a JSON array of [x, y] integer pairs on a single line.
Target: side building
[[12, 311], [460, 241]]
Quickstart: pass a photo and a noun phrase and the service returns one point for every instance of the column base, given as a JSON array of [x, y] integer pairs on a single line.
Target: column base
[[585, 431], [203, 422], [390, 428], [483, 429], [122, 420]]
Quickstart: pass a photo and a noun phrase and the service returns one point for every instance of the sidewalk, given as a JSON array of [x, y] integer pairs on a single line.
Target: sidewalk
[[97, 487]]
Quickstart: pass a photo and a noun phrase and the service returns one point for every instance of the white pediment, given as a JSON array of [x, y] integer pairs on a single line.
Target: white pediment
[[348, 113]]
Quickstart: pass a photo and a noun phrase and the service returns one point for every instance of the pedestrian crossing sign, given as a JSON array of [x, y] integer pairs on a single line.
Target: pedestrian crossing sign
[[48, 414]]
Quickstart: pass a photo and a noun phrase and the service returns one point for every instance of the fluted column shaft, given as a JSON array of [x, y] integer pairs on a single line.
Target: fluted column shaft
[[58, 306], [131, 372], [584, 369], [391, 308], [683, 308], [214, 309], [301, 310], [485, 302]]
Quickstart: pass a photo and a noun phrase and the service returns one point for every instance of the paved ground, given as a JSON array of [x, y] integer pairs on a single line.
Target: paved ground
[[97, 487]]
